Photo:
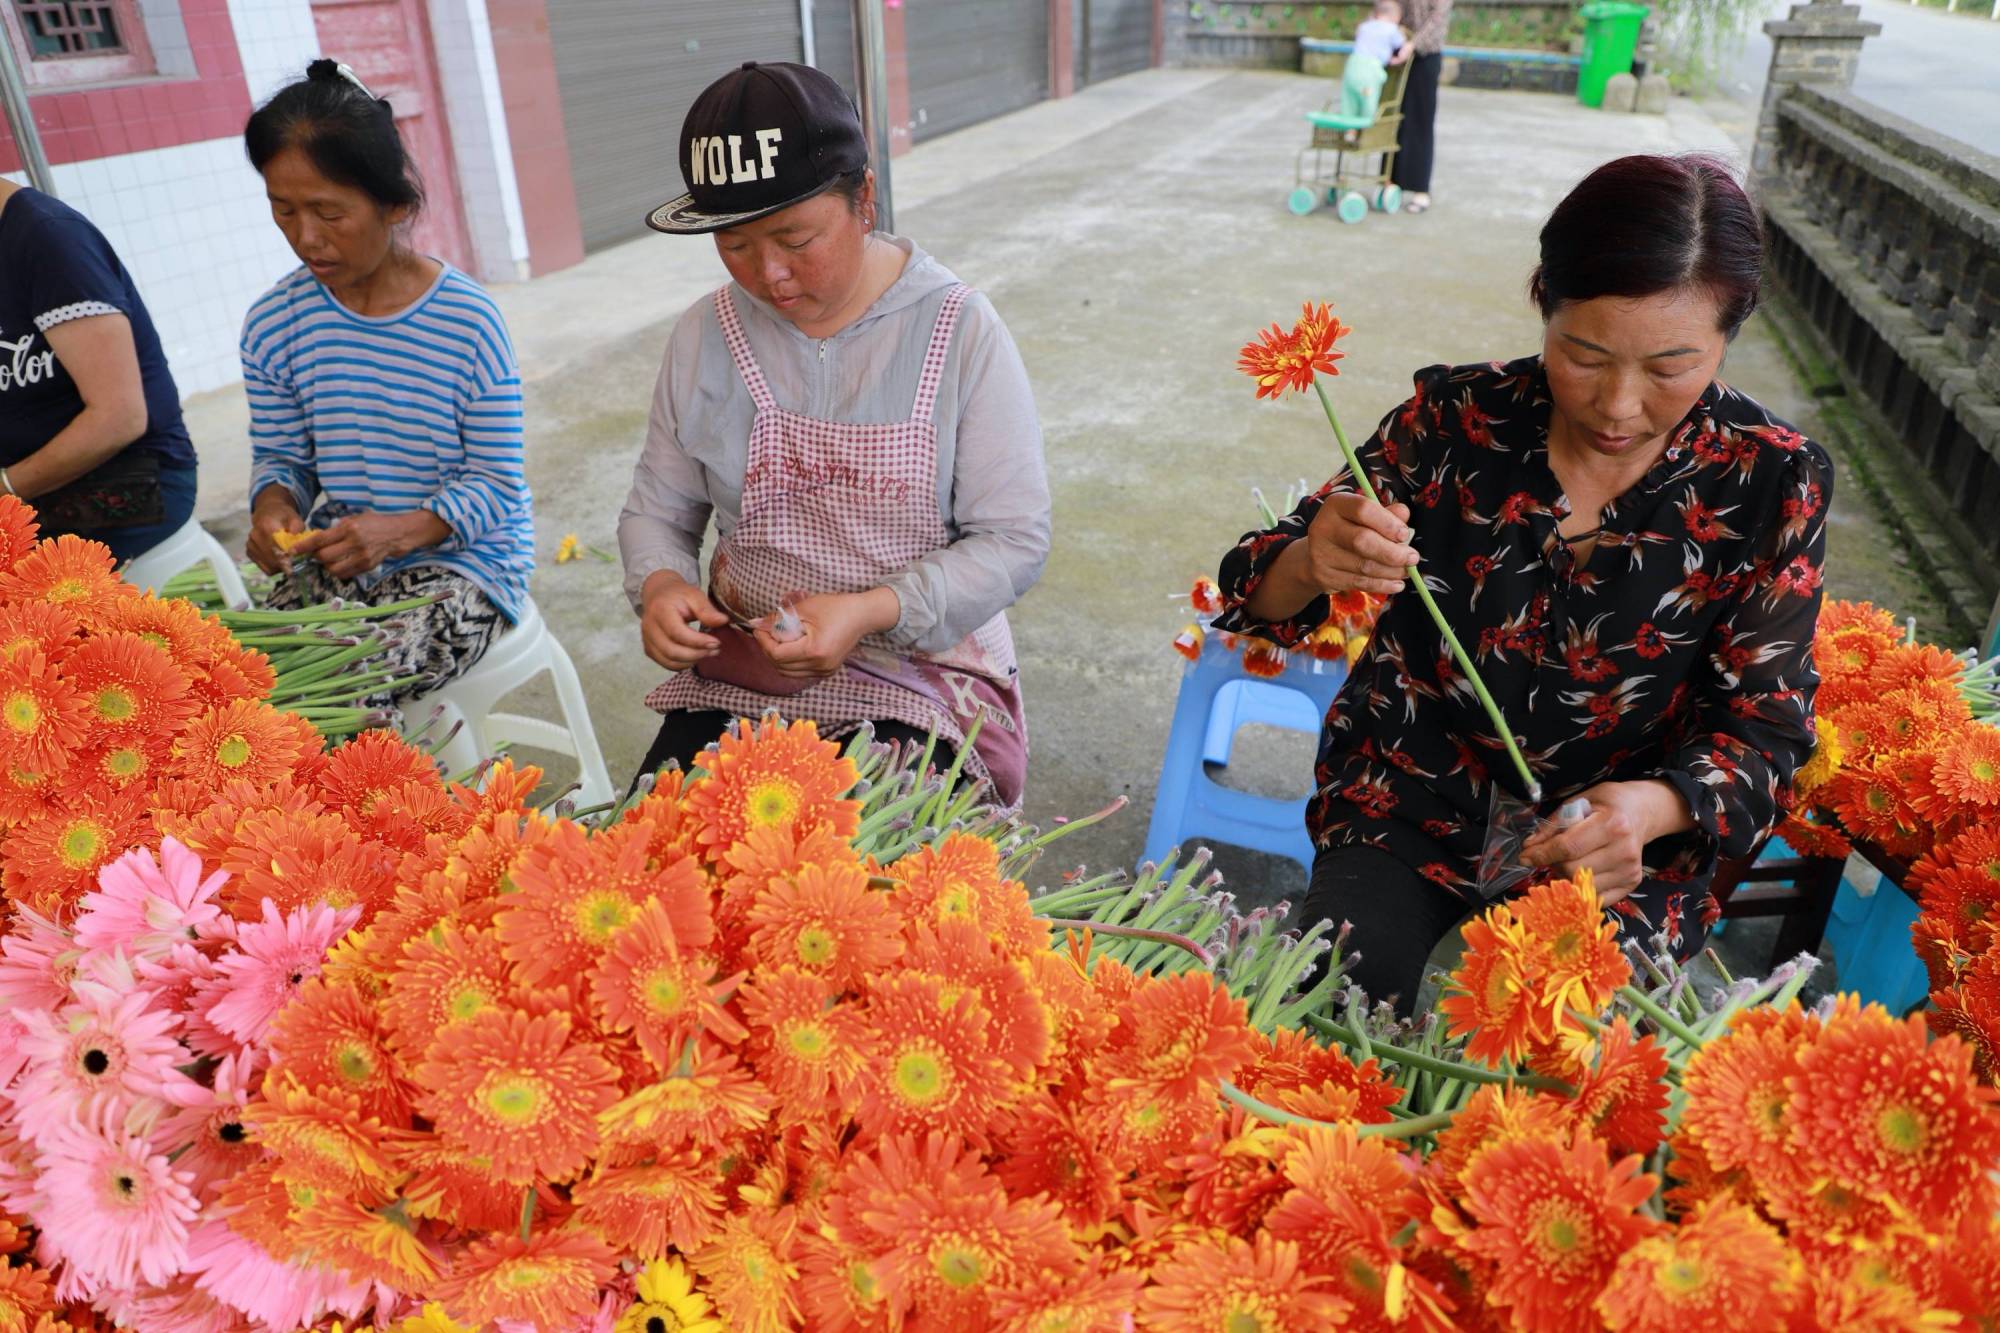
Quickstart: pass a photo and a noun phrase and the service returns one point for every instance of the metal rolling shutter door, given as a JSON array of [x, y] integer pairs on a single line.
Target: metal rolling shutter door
[[1121, 37], [971, 60], [629, 70]]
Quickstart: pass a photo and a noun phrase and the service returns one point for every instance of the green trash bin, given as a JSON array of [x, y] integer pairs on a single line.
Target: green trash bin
[[1610, 35]]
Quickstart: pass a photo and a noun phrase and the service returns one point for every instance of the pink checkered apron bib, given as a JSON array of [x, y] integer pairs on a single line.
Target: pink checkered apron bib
[[838, 507]]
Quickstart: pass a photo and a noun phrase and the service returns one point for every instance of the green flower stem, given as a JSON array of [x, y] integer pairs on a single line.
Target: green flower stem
[[527, 1213], [1099, 929], [1400, 1129], [1454, 1070], [1645, 1004], [1532, 787]]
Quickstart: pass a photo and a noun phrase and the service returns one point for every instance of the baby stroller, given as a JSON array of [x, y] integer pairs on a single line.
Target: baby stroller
[[1352, 185]]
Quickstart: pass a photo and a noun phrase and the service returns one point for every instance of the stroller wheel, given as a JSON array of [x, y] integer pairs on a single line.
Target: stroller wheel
[[1389, 198], [1303, 200], [1353, 206]]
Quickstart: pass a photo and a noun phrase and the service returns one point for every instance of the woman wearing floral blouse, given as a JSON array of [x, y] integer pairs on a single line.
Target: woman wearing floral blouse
[[1631, 551]]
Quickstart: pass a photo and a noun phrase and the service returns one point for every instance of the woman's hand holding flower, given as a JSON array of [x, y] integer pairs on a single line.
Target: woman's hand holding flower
[[833, 623], [1611, 840]]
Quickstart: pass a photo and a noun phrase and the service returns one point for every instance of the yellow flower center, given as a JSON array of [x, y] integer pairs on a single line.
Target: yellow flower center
[[526, 1277], [602, 914], [1681, 1276], [1985, 770], [1877, 799], [81, 844], [154, 637], [815, 946], [1566, 946], [1901, 1129], [124, 764], [772, 801], [355, 1062], [302, 1196], [23, 714], [920, 1076], [233, 752], [115, 704], [1562, 1238], [664, 993], [958, 1265], [955, 903], [1767, 1108], [69, 590], [1243, 1321], [515, 1099], [863, 1282], [465, 1002], [807, 1041]]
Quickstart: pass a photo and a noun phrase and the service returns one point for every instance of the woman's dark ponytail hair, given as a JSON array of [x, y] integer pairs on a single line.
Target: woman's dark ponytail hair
[[1647, 224], [348, 132]]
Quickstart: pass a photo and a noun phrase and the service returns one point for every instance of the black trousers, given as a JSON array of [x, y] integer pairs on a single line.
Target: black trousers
[[1417, 134], [1397, 916], [685, 734]]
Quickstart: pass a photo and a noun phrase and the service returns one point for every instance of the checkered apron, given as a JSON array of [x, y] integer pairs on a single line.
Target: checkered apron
[[838, 507]]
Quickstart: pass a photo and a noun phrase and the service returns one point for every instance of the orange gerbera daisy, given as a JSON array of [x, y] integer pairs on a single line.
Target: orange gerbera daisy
[[809, 1046], [71, 572], [714, 1100], [1811, 837], [322, 1141], [649, 986], [1697, 1182], [447, 976], [242, 740], [1724, 1268], [749, 1269], [329, 1036], [1230, 1175], [934, 1067], [1493, 999], [132, 687], [294, 858], [1497, 1114], [1334, 1180], [960, 954], [42, 716], [1739, 1097], [360, 771], [826, 920], [1577, 959], [519, 1090], [1891, 1116], [18, 529], [1872, 803], [25, 1291], [1230, 1283], [1969, 900], [1968, 767], [1283, 361], [456, 1188], [1553, 1220], [1297, 1074], [1264, 660], [52, 859], [1836, 614], [674, 1200], [551, 1281], [1066, 1151], [366, 1245], [232, 672], [1911, 663], [1177, 1038], [50, 630], [1096, 1302], [578, 891], [958, 878], [1623, 1098], [769, 775]]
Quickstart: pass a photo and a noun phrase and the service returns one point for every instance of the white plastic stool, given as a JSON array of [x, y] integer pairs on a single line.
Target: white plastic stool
[[516, 657], [189, 546]]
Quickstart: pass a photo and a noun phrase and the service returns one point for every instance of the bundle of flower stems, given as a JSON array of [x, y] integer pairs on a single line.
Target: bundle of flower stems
[[326, 657]]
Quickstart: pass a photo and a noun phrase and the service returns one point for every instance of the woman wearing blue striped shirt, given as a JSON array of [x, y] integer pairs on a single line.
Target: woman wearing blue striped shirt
[[385, 405]]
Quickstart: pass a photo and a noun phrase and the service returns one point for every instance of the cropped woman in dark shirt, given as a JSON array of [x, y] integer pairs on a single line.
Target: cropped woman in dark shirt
[[90, 421], [1629, 548]]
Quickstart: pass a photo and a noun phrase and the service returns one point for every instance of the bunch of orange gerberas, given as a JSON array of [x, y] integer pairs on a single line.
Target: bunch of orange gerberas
[[1340, 637], [113, 703], [1829, 1170], [1903, 764]]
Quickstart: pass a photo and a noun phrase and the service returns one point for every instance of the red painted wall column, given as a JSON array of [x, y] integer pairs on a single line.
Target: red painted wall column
[[526, 60], [1062, 47]]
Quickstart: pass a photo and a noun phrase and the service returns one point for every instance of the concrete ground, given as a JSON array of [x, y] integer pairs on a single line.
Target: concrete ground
[[1132, 237]]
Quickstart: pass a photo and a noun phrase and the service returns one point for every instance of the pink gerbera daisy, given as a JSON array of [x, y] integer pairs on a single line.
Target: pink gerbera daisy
[[37, 961], [242, 1275], [273, 958], [101, 1050], [111, 1206], [146, 907], [208, 1139]]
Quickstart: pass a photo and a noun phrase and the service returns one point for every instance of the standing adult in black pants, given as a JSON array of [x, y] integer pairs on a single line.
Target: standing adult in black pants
[[1416, 137]]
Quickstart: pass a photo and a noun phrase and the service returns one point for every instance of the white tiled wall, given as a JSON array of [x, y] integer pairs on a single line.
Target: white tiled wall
[[194, 230], [277, 40], [478, 120]]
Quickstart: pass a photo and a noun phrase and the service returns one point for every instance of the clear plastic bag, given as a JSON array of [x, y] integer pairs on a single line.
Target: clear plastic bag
[[1510, 822]]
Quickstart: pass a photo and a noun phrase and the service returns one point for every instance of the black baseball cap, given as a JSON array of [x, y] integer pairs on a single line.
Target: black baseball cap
[[759, 139]]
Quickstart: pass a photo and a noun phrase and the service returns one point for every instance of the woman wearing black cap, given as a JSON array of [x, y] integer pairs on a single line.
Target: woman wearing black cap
[[859, 425]]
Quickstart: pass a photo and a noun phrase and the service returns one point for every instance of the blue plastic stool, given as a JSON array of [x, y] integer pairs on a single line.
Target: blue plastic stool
[[1218, 698], [1870, 941]]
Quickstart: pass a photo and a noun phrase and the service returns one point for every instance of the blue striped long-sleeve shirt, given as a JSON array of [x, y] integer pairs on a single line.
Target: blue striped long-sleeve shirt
[[416, 410]]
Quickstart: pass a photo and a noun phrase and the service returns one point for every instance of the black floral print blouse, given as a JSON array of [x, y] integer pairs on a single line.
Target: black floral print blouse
[[1681, 650]]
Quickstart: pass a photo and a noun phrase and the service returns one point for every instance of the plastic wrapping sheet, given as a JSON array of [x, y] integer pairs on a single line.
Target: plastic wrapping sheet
[[1510, 822]]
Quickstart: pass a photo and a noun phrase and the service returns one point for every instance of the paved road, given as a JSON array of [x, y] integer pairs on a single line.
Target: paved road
[[1940, 70]]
